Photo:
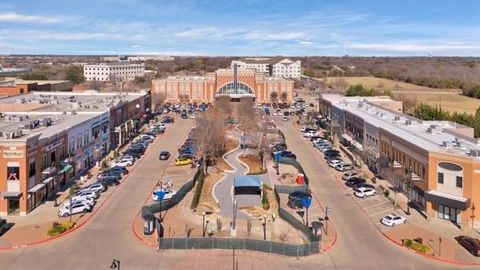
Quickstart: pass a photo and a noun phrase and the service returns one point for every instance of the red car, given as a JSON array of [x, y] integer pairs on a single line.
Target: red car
[[469, 243]]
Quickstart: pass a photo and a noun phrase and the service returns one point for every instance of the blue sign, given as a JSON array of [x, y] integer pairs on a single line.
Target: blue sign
[[307, 201], [160, 195]]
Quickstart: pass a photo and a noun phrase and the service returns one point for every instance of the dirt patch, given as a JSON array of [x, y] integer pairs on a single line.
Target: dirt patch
[[254, 163], [207, 203]]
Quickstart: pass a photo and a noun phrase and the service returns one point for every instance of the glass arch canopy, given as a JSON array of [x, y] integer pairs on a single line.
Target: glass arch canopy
[[229, 89]]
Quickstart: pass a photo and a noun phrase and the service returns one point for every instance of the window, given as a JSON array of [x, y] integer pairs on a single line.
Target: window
[[31, 169], [440, 178], [459, 181], [44, 162]]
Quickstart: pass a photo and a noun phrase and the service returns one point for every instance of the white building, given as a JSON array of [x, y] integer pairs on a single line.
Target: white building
[[113, 71], [284, 68]]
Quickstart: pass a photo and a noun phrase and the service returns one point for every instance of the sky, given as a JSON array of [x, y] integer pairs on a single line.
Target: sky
[[241, 27]]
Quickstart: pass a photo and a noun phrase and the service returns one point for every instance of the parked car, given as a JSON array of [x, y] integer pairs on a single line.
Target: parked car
[[75, 199], [364, 192], [108, 181], [356, 187], [127, 157], [469, 243], [353, 181], [75, 208], [346, 176], [288, 155], [331, 151], [392, 220], [182, 161], [118, 170], [164, 155], [96, 187], [307, 129], [121, 163], [343, 167], [310, 133], [109, 174], [88, 193], [332, 157], [168, 194], [295, 199], [334, 162], [3, 226]]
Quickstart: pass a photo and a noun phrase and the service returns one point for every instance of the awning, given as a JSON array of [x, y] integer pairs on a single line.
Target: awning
[[247, 181], [447, 199], [66, 168], [48, 180], [357, 145], [11, 194], [347, 138], [36, 188]]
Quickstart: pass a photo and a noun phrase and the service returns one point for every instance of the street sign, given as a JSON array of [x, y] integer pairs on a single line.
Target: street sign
[[307, 201], [328, 210]]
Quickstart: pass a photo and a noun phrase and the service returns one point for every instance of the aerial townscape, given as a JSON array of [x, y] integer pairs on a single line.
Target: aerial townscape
[[253, 134]]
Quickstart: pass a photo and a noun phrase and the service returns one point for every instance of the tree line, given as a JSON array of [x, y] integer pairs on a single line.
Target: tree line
[[430, 113]]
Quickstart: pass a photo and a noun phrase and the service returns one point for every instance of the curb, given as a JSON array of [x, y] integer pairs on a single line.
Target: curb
[[135, 233], [76, 227]]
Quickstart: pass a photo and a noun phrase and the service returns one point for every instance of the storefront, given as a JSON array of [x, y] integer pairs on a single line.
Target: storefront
[[447, 206], [13, 202]]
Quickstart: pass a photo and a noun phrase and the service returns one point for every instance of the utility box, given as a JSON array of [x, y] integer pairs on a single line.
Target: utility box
[[300, 179]]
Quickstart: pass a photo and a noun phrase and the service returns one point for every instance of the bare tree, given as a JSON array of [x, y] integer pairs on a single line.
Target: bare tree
[[223, 104], [274, 96], [247, 115], [210, 135], [157, 99], [284, 96]]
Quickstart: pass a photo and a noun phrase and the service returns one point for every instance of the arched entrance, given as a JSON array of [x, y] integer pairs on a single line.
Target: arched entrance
[[235, 91]]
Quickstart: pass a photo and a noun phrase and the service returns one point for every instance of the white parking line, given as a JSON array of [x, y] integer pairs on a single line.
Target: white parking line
[[380, 212], [373, 205], [367, 199]]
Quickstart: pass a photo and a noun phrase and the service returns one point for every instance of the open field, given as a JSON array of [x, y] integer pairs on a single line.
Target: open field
[[449, 99]]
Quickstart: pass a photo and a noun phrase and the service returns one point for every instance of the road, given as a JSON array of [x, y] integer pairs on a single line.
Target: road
[[108, 235], [359, 244]]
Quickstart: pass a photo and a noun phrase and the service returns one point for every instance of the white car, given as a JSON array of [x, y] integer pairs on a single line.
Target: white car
[[365, 192], [75, 208], [127, 158], [192, 116], [334, 162], [392, 220], [88, 194], [346, 176], [77, 199], [343, 167], [149, 137], [169, 194], [311, 134], [121, 163], [97, 187]]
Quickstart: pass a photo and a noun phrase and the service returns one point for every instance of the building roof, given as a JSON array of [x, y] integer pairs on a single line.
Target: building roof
[[439, 136]]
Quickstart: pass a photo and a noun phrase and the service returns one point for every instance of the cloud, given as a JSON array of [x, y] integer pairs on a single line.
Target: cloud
[[261, 36], [13, 17], [199, 32], [413, 47]]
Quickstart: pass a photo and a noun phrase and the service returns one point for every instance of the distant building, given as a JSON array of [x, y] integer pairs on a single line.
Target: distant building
[[48, 138], [224, 82], [113, 71], [277, 68], [150, 57], [16, 86]]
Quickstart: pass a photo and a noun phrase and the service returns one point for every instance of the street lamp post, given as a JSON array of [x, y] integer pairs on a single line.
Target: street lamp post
[[409, 190], [264, 227], [203, 224], [473, 215]]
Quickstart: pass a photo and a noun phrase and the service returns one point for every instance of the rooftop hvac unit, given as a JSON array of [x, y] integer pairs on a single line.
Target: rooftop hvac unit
[[446, 144], [475, 152], [16, 134], [408, 122], [429, 130], [397, 118]]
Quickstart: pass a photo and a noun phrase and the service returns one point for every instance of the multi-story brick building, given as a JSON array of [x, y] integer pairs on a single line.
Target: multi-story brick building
[[435, 163], [243, 83], [46, 138], [15, 86]]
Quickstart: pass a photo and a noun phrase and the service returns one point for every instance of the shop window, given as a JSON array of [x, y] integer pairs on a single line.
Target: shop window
[[44, 162], [13, 173], [459, 181], [440, 178], [31, 169]]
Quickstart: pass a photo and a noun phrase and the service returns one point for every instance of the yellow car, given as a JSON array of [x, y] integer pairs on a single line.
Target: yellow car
[[183, 161]]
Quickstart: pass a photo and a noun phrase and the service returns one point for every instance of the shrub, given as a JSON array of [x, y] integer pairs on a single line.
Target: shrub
[[58, 228], [198, 178], [261, 171], [417, 246], [265, 203]]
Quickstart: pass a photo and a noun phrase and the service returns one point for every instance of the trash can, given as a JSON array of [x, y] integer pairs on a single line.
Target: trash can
[[300, 179], [149, 225]]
